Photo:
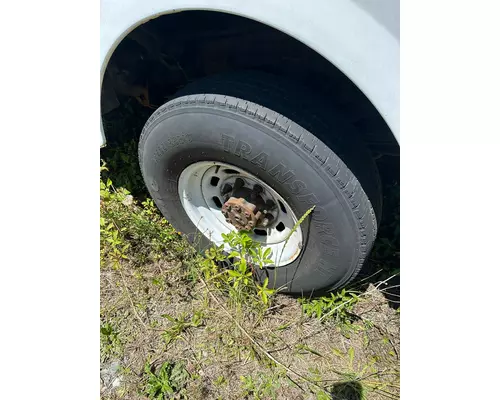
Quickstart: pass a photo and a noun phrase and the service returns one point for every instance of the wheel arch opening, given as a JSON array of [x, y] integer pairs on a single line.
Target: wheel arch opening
[[162, 54]]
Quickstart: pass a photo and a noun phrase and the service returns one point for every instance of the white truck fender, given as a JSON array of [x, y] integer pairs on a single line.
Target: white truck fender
[[359, 37]]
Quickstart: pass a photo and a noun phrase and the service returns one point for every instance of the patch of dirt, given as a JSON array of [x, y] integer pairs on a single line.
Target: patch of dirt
[[283, 355]]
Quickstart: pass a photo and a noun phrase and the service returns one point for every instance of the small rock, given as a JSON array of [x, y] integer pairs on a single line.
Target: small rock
[[128, 200], [116, 382], [110, 377]]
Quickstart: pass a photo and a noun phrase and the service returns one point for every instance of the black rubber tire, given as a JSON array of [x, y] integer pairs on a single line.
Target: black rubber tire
[[306, 169]]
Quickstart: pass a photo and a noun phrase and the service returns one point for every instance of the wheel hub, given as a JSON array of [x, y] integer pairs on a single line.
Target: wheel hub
[[245, 208]]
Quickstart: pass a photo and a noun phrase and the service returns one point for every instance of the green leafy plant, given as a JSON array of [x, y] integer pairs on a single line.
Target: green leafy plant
[[264, 292], [322, 395], [220, 381], [124, 163], [336, 306], [233, 273], [236, 278], [242, 258], [180, 325], [163, 383], [130, 231], [260, 387], [111, 345]]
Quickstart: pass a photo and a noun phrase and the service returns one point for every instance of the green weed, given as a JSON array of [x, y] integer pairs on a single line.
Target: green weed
[[235, 277], [180, 325], [124, 163], [220, 381], [337, 306], [169, 380], [263, 386], [132, 232], [111, 345], [322, 395]]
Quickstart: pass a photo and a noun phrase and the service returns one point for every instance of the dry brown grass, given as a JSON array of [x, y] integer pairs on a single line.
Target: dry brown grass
[[135, 300]]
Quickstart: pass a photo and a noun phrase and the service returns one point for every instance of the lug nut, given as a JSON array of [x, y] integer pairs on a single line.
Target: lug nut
[[267, 220]]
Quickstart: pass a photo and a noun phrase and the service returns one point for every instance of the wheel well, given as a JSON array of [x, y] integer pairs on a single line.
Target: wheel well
[[161, 56]]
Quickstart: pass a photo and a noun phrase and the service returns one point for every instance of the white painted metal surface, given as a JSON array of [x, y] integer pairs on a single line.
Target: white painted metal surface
[[197, 192], [360, 37]]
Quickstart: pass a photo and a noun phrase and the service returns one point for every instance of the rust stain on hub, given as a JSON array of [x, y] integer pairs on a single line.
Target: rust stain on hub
[[245, 208], [240, 213]]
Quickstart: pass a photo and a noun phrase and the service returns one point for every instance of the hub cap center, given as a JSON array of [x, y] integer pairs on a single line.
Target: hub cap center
[[244, 208]]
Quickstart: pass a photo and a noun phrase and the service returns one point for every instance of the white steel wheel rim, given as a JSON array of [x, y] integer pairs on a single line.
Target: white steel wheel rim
[[199, 185]]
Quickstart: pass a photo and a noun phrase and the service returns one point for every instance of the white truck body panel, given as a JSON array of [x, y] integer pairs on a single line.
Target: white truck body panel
[[359, 37]]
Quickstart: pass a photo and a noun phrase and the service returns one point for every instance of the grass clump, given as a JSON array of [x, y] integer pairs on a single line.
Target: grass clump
[[167, 381], [180, 324], [336, 307], [132, 232], [260, 387], [233, 274], [111, 345]]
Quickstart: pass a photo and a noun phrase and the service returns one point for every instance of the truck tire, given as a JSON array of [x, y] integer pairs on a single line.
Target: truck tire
[[294, 146]]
